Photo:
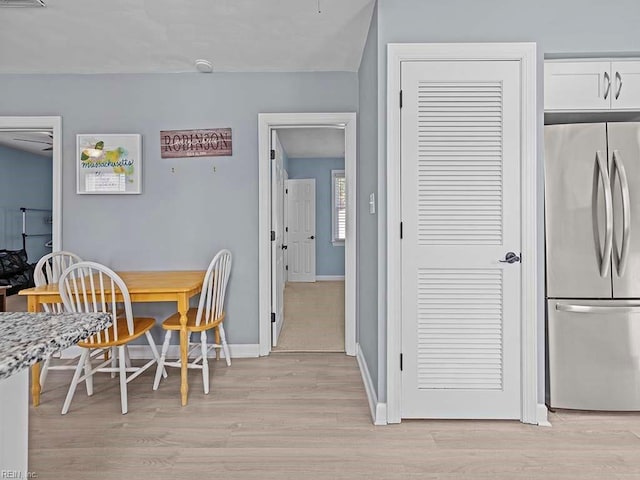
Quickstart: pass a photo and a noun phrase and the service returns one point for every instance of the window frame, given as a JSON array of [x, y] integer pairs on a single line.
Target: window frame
[[335, 175]]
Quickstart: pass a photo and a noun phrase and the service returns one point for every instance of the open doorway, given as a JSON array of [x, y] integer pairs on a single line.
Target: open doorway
[[308, 199], [270, 181], [30, 166]]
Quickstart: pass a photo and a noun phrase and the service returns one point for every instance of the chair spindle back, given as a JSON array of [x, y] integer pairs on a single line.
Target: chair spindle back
[[89, 287], [211, 305], [48, 271]]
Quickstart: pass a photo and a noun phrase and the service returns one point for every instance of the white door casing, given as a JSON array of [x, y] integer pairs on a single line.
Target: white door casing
[[460, 209], [266, 122], [277, 227], [525, 55], [302, 230]]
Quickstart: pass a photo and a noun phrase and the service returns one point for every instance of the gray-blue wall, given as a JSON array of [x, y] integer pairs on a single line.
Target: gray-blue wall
[[183, 217], [558, 27], [329, 257], [371, 316], [25, 181]]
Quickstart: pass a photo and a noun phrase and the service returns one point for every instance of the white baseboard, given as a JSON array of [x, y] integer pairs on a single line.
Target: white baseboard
[[249, 350], [329, 278], [541, 415], [378, 409]]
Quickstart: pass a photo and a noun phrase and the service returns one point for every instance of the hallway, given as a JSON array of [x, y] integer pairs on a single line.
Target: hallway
[[313, 317]]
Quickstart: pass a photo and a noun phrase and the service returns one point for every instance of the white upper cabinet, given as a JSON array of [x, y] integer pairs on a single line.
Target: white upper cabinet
[[625, 85], [591, 85]]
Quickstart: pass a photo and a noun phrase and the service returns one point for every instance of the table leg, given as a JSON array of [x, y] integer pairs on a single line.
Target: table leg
[[34, 306], [3, 298], [183, 307], [217, 340]]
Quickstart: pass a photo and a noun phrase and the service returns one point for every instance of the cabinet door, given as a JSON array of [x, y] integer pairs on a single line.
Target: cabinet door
[[625, 85], [577, 85]]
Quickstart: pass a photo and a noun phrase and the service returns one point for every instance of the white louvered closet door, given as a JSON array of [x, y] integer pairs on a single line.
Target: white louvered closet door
[[460, 182]]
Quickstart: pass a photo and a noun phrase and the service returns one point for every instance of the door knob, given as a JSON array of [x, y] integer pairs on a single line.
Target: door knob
[[284, 247], [511, 257], [312, 237]]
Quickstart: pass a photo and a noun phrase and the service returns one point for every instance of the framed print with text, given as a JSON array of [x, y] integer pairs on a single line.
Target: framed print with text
[[109, 163]]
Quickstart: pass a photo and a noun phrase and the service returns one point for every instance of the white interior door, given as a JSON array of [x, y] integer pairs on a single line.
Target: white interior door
[[460, 201], [277, 237], [286, 227], [302, 230]]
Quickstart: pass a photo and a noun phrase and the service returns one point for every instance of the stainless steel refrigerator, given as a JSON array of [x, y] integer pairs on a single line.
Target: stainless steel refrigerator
[[592, 219]]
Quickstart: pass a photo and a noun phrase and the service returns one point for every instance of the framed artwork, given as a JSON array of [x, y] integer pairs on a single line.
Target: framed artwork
[[109, 163]]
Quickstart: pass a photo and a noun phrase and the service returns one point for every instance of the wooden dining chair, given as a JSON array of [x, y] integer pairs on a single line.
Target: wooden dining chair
[[208, 316], [91, 287], [47, 272]]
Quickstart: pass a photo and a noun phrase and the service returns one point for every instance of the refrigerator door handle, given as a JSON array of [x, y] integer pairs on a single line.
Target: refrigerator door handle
[[626, 212], [608, 207], [573, 308]]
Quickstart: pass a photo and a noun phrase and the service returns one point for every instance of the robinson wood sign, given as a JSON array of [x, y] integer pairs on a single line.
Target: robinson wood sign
[[195, 143]]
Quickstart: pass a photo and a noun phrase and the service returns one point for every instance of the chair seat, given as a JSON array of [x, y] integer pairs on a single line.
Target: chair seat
[[140, 324], [173, 322]]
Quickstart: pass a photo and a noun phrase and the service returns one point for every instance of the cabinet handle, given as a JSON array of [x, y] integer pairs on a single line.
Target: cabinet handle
[[608, 88], [619, 80]]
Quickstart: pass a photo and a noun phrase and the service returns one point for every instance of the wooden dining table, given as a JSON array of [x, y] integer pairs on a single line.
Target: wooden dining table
[[144, 286]]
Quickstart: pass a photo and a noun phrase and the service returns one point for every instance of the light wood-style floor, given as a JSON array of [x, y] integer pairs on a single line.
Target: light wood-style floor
[[16, 303], [305, 416], [313, 317]]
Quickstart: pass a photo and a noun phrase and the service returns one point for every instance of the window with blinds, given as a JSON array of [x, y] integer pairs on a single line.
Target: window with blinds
[[339, 206]]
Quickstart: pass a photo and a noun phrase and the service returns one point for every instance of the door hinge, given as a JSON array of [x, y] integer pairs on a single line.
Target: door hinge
[[286, 190], [273, 236], [286, 229], [273, 317], [400, 98], [273, 154], [286, 267], [400, 230], [400, 362]]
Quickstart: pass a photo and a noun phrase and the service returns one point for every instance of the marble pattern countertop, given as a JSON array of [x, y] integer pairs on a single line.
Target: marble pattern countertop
[[27, 338]]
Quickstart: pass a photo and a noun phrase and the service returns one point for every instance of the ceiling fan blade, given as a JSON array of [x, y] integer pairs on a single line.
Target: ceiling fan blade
[[32, 141]]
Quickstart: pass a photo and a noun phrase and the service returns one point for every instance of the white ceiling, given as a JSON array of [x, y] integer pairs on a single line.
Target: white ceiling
[[319, 142], [126, 36], [131, 36]]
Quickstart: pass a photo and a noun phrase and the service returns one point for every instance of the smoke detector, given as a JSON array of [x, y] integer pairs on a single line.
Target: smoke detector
[[204, 66]]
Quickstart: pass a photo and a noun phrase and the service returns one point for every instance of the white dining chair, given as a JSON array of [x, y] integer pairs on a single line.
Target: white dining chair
[[47, 272], [91, 287], [208, 316]]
